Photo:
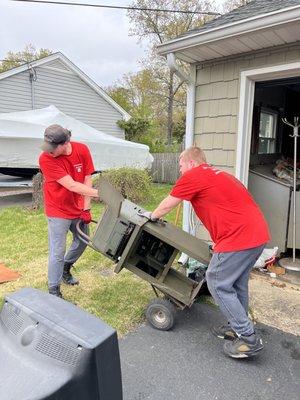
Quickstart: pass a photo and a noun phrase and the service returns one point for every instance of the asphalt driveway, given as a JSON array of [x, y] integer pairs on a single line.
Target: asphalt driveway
[[188, 363]]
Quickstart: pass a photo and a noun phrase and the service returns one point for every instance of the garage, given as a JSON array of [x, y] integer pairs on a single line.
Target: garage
[[272, 157]]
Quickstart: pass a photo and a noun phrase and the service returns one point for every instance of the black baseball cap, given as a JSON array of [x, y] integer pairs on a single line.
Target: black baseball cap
[[55, 135]]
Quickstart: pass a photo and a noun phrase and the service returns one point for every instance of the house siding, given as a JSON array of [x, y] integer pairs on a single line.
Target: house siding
[[66, 90], [217, 102], [15, 93]]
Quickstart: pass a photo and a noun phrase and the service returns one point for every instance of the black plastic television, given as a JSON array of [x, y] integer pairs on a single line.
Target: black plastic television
[[51, 349]]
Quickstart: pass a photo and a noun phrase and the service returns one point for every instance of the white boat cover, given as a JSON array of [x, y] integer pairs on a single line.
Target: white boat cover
[[21, 135]]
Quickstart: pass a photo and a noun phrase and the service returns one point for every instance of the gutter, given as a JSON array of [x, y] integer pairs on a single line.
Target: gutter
[[241, 27], [190, 119]]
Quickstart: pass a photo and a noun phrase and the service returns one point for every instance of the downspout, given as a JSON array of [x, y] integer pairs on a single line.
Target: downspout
[[32, 79], [190, 120]]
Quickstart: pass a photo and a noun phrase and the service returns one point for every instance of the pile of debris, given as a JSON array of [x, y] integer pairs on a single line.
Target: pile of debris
[[284, 169]]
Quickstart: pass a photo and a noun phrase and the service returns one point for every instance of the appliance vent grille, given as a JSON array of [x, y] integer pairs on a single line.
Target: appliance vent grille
[[11, 319], [54, 348]]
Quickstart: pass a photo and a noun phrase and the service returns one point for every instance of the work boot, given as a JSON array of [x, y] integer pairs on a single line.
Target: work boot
[[243, 346], [223, 332], [67, 277], [55, 290]]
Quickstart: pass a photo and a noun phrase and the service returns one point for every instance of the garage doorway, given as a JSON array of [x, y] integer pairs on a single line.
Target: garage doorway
[[271, 156], [265, 148]]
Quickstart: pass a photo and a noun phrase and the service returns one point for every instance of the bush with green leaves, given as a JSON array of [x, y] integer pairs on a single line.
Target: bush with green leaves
[[133, 183], [155, 144], [134, 127]]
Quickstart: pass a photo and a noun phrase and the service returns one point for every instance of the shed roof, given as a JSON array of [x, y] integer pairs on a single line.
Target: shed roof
[[256, 25], [71, 67]]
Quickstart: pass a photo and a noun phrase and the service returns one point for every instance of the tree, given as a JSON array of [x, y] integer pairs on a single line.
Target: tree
[[30, 53], [159, 27], [120, 95], [179, 127], [145, 96], [134, 128], [230, 5], [138, 93]]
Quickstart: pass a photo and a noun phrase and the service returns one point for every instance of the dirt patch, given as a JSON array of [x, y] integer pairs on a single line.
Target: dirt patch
[[106, 272], [7, 275], [275, 303]]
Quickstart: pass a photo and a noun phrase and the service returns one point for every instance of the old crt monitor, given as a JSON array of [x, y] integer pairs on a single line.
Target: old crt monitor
[[51, 349]]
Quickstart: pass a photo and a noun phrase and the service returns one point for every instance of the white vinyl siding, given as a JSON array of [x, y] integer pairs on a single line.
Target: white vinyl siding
[[56, 85], [57, 64], [217, 100], [15, 93]]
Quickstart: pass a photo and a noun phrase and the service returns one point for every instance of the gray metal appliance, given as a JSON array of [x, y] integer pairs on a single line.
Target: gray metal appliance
[[148, 250], [274, 196]]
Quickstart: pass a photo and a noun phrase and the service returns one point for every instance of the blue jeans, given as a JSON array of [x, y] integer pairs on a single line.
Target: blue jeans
[[227, 279], [57, 230]]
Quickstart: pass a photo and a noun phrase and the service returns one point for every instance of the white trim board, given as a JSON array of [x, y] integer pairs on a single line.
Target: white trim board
[[233, 29], [247, 86]]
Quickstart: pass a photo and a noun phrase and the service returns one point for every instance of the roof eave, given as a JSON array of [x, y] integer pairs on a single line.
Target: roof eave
[[244, 26]]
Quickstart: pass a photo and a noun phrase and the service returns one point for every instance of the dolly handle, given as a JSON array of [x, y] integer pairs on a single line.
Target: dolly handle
[[83, 236]]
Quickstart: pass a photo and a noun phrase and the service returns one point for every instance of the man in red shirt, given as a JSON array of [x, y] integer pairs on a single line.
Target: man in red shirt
[[239, 233], [67, 168]]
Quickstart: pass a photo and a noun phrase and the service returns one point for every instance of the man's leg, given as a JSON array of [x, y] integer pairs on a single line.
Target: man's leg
[[241, 285], [57, 234], [227, 279], [75, 251], [77, 246]]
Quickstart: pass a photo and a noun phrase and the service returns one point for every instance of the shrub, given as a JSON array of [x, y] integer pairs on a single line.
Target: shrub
[[133, 183], [135, 126], [37, 195], [155, 145]]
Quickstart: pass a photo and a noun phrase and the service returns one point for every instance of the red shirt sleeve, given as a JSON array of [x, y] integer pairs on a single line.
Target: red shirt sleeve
[[51, 168], [88, 161], [185, 188]]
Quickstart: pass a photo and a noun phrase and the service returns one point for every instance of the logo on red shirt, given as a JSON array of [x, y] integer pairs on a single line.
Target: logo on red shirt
[[78, 167]]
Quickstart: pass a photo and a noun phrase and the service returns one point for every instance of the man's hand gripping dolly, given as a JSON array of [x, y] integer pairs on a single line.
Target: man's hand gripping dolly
[[150, 217]]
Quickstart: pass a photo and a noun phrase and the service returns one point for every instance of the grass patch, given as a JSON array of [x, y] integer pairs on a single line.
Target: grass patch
[[117, 299]]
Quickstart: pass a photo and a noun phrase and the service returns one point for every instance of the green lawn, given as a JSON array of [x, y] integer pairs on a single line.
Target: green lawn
[[117, 299]]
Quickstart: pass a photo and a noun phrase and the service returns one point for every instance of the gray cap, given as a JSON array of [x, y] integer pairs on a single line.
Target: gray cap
[[55, 135]]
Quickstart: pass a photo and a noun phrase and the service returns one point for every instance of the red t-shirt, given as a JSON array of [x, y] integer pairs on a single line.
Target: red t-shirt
[[225, 208], [59, 201]]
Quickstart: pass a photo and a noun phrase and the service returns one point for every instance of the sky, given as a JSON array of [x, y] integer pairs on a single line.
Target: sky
[[96, 40]]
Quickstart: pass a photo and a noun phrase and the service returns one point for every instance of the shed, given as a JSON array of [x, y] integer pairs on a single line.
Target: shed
[[55, 80], [244, 77]]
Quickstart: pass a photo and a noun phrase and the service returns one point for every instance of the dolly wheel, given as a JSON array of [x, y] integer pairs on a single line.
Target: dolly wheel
[[160, 314]]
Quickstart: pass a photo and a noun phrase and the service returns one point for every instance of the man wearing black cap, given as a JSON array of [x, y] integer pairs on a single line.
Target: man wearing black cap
[[67, 168]]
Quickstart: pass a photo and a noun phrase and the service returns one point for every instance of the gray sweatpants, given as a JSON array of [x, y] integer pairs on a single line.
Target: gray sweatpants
[[57, 234], [227, 279]]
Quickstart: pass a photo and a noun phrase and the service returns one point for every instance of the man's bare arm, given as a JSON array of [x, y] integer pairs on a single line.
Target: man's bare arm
[[77, 187], [87, 199], [166, 206]]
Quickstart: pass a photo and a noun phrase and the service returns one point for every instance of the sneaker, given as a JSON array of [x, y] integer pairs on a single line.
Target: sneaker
[[67, 277], [223, 332], [244, 346], [55, 291]]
